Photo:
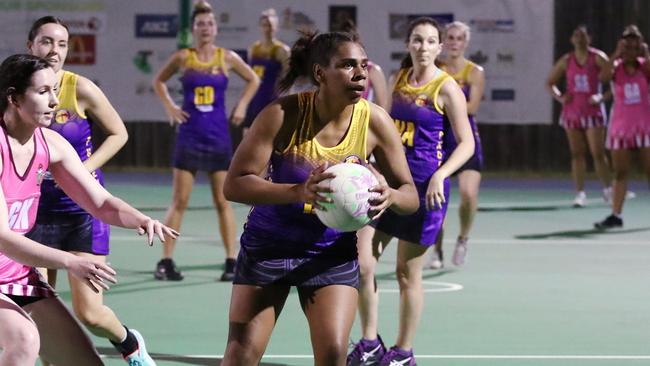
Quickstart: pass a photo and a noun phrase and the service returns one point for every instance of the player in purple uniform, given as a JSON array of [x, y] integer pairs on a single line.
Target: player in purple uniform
[[471, 78], [423, 95], [33, 318], [284, 244], [583, 113], [61, 223], [629, 129], [268, 57], [203, 140]]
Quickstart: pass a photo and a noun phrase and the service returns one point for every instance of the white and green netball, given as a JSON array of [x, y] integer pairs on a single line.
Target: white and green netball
[[348, 210]]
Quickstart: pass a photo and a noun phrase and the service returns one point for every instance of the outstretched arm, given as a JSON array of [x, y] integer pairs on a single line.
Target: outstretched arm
[[78, 183]]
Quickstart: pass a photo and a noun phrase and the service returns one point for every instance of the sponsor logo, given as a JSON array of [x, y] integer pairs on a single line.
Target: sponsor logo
[[398, 23], [503, 94], [80, 23], [156, 25], [19, 214], [62, 116], [506, 57], [81, 49], [421, 100], [354, 159], [141, 61], [493, 25], [479, 57]]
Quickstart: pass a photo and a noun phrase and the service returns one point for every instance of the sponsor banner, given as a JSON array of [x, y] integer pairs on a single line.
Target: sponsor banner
[[156, 25], [81, 50]]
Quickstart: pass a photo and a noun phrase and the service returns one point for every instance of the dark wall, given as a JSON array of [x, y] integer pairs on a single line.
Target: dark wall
[[510, 147]]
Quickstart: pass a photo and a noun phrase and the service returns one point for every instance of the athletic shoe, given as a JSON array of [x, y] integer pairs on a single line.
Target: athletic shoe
[[166, 271], [366, 353], [229, 270], [436, 259], [140, 357], [607, 195], [460, 252], [629, 194], [398, 357], [610, 222], [580, 200]]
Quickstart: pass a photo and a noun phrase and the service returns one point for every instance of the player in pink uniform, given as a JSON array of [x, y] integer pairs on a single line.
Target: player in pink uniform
[[34, 320], [629, 130], [583, 114]]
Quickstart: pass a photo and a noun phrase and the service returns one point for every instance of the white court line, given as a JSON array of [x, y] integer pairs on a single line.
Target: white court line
[[436, 286], [467, 357], [582, 242]]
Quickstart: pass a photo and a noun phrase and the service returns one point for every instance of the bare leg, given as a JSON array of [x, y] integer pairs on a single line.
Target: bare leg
[[89, 307], [253, 313], [19, 339], [370, 245], [409, 277], [330, 313], [182, 186], [63, 341], [621, 162], [578, 147], [469, 182], [644, 155], [596, 141], [227, 226]]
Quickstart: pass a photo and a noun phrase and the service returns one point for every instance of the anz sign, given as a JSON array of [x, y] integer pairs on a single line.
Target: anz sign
[[156, 25]]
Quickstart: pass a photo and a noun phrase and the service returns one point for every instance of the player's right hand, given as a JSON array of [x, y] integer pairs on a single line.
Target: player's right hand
[[93, 273]]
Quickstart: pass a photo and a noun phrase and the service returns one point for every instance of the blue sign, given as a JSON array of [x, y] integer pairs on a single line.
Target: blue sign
[[503, 94], [156, 25]]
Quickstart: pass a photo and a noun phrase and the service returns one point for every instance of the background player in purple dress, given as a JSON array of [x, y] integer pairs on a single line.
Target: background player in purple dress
[[203, 140], [61, 223], [34, 320], [284, 244], [629, 129], [268, 57], [423, 95], [471, 78], [583, 113]]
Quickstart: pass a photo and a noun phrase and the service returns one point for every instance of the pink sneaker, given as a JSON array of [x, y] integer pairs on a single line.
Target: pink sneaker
[[460, 252]]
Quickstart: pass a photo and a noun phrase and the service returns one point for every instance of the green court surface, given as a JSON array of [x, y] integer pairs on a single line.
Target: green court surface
[[541, 286]]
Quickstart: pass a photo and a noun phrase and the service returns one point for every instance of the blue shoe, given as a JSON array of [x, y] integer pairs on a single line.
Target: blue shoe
[[366, 353], [140, 357]]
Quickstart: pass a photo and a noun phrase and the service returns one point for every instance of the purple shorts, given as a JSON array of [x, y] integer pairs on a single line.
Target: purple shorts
[[72, 233], [421, 227]]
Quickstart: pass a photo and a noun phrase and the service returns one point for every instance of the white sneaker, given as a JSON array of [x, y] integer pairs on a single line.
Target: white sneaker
[[629, 194], [580, 200], [607, 195], [436, 259], [460, 252]]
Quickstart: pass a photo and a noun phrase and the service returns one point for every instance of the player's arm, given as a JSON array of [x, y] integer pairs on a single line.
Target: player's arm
[[604, 93], [242, 69], [282, 56], [554, 77], [476, 79], [453, 101], [172, 66], [28, 252], [95, 105], [78, 183], [398, 192], [380, 88], [392, 81], [244, 182]]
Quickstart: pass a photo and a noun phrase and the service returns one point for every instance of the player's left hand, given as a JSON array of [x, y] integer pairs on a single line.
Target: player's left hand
[[382, 199], [238, 115], [435, 195], [153, 227]]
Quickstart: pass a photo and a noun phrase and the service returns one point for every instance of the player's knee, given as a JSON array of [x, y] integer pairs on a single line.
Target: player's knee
[[404, 276], [241, 354], [90, 317], [180, 203], [22, 343], [334, 353], [221, 204]]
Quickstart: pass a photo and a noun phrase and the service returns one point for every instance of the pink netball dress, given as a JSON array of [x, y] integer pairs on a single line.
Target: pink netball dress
[[22, 192], [630, 117], [581, 84]]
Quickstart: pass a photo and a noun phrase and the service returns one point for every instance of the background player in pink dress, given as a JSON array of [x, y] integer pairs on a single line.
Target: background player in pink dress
[[203, 140], [629, 129], [471, 79], [61, 223], [423, 96], [583, 113], [33, 318]]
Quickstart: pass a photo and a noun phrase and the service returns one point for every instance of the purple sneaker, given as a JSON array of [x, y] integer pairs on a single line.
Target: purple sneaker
[[398, 357], [366, 353]]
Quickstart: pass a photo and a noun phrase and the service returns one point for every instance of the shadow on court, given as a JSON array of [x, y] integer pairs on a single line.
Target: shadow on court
[[387, 276], [581, 234], [111, 353]]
